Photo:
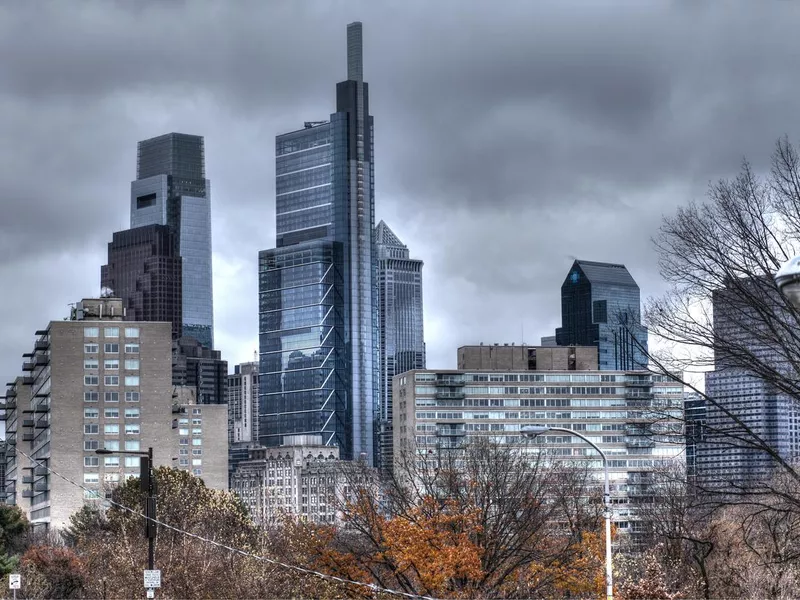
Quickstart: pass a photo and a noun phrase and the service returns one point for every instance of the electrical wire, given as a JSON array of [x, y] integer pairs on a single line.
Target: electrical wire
[[371, 586]]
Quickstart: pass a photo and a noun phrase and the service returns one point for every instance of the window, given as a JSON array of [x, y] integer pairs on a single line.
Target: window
[[110, 429], [91, 461], [111, 461], [196, 462], [183, 421], [132, 348], [111, 348], [90, 363], [111, 413], [132, 445], [111, 363], [91, 444], [184, 441], [133, 461], [91, 332], [90, 348], [90, 396], [111, 477], [197, 431], [183, 451], [112, 445], [111, 379], [91, 413], [197, 472], [131, 380], [197, 442], [131, 475], [91, 478], [131, 429], [131, 332], [111, 332], [600, 311], [91, 429], [197, 411], [131, 413], [91, 380], [131, 396], [91, 494], [184, 462], [183, 431], [112, 396], [132, 364], [197, 451]]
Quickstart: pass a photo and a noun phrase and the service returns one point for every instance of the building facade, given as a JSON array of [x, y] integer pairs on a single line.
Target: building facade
[[439, 411], [171, 189], [197, 366], [488, 357], [144, 270], [299, 478], [318, 318], [401, 329], [242, 413], [600, 306], [91, 382]]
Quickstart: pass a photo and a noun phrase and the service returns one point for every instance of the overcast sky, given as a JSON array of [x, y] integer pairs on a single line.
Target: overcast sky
[[510, 138]]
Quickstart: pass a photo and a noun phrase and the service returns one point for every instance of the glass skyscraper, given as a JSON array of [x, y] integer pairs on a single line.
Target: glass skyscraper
[[318, 320], [600, 307], [402, 340], [171, 189]]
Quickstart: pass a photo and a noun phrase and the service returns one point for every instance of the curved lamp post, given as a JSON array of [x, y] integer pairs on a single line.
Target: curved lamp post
[[532, 431]]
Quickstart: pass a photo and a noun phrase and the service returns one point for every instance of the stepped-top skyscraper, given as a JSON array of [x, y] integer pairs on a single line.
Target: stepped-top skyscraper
[[171, 189], [600, 307], [318, 297], [402, 339]]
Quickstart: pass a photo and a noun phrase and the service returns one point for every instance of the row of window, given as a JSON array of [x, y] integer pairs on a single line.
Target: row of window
[[110, 332], [110, 348], [194, 421], [110, 396], [130, 380], [110, 413], [111, 461], [195, 441], [130, 445], [111, 364], [111, 429], [195, 431]]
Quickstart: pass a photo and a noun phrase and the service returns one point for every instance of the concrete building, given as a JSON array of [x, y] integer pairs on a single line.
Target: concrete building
[[300, 477], [242, 413], [94, 381], [527, 358], [438, 411]]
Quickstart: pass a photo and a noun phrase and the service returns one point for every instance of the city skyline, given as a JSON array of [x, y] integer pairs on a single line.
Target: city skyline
[[432, 204]]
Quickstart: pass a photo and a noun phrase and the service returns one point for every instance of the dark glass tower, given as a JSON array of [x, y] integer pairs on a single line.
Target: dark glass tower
[[144, 270], [171, 189], [600, 307], [402, 340], [318, 294]]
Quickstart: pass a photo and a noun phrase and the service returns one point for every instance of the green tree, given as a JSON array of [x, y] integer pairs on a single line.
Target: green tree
[[13, 527]]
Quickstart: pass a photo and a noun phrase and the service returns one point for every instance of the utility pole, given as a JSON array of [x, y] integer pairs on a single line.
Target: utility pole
[[147, 484]]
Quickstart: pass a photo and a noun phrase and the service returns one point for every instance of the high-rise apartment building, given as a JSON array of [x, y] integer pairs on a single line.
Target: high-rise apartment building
[[144, 270], [439, 411], [600, 306], [318, 319], [402, 339], [97, 381], [242, 413], [171, 189]]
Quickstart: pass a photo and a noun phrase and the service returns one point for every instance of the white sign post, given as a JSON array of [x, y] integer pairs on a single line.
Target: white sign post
[[14, 583], [152, 580]]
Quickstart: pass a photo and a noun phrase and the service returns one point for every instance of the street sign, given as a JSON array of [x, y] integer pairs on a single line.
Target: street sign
[[152, 579], [14, 581], [151, 593]]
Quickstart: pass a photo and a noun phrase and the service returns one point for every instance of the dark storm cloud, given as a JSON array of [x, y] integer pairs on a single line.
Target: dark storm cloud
[[510, 137]]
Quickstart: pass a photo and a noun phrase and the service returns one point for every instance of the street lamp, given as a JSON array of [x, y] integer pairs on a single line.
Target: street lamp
[[788, 280], [531, 431], [146, 481]]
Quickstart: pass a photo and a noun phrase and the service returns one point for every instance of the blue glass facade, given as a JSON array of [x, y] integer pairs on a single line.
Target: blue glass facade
[[402, 339], [171, 189], [325, 200], [600, 306]]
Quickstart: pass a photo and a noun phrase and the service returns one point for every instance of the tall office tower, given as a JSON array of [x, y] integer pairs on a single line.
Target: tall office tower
[[318, 296], [171, 189], [725, 451], [98, 381], [145, 271], [600, 307], [242, 413], [402, 339], [197, 366]]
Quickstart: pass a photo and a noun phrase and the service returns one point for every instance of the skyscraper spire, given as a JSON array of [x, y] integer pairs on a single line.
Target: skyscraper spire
[[355, 52]]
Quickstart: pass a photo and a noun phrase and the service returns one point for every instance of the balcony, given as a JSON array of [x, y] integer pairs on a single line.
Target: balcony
[[452, 381], [27, 437], [11, 403], [11, 438], [27, 493], [40, 471], [11, 393], [27, 479], [42, 359], [28, 365], [42, 407], [643, 381], [28, 380], [42, 424], [449, 395], [27, 422], [42, 345], [40, 487]]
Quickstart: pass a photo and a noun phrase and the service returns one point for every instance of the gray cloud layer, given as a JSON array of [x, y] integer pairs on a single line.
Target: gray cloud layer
[[510, 137]]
